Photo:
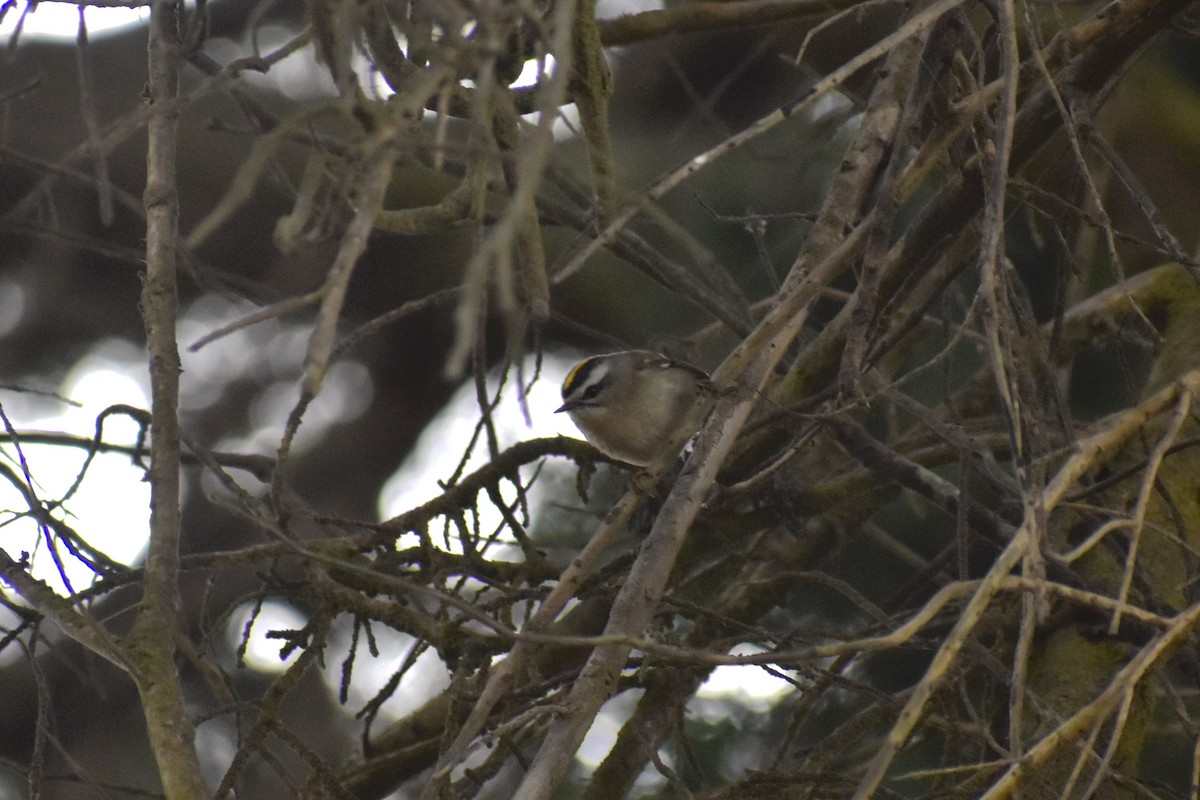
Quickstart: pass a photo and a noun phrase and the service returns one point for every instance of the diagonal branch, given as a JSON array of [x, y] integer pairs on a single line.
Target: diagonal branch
[[1089, 452]]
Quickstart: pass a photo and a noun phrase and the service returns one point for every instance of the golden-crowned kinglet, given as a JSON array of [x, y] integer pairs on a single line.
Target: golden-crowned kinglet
[[632, 404]]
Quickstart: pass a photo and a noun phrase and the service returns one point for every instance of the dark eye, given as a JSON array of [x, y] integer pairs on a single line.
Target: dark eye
[[590, 392]]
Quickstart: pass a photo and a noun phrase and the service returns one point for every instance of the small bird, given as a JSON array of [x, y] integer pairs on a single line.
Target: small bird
[[631, 405]]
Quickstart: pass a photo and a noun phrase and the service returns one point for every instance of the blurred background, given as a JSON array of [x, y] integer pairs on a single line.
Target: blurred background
[[388, 424]]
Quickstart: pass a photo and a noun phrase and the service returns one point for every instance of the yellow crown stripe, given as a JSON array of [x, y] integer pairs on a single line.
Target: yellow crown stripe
[[573, 375]]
